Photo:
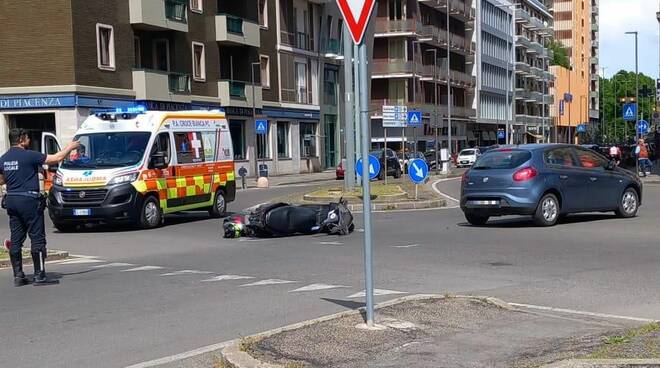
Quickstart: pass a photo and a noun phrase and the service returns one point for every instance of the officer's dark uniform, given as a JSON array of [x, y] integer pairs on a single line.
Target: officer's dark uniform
[[25, 207]]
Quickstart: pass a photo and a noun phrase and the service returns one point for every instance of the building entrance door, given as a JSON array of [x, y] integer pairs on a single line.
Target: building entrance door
[[330, 133]]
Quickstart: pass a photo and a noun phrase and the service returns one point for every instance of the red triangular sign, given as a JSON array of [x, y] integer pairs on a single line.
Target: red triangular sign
[[356, 15]]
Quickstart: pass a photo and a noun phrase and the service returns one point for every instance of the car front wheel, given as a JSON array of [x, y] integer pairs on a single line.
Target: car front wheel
[[547, 212], [629, 204]]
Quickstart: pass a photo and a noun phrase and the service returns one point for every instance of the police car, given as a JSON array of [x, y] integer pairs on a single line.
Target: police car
[[135, 166]]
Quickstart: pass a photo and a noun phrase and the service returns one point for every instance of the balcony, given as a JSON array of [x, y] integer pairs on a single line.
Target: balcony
[[161, 86], [457, 8], [594, 43], [231, 30], [435, 35], [593, 61], [407, 26], [522, 16], [523, 41], [239, 94], [299, 40], [522, 67], [333, 47], [594, 94], [159, 15], [594, 27]]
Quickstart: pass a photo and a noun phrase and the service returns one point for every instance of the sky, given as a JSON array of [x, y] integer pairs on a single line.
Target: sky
[[617, 50]]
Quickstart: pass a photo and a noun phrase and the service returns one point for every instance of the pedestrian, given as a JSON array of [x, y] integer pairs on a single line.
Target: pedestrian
[[19, 170], [642, 153]]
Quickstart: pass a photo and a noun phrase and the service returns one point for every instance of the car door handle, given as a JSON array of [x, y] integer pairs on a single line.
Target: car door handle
[[593, 179], [563, 177]]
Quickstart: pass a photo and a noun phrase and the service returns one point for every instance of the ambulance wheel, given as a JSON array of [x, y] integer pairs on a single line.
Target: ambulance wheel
[[219, 208], [151, 215]]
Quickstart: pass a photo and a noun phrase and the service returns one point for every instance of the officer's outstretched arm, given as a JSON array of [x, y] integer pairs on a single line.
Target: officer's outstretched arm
[[60, 156], [2, 180]]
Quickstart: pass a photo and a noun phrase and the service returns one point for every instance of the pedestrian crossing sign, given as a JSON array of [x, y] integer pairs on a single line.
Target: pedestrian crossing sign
[[630, 112], [414, 118], [261, 126]]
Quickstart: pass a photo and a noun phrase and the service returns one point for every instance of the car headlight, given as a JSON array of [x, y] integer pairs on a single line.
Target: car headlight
[[57, 180], [122, 179]]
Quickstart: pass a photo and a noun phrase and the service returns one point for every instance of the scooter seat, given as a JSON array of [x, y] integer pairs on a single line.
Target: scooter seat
[[289, 220]]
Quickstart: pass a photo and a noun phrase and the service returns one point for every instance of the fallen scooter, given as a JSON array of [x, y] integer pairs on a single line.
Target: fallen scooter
[[284, 219]]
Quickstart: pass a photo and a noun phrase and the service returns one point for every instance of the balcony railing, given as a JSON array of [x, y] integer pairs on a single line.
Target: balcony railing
[[385, 25], [333, 47], [385, 67], [298, 40], [179, 83], [176, 10], [237, 89]]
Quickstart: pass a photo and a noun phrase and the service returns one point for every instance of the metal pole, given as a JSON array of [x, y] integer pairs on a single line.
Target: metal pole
[[543, 98], [349, 134], [356, 94], [507, 109], [513, 76], [366, 193], [385, 155], [414, 68], [637, 96], [569, 136], [254, 118], [615, 133], [435, 111], [448, 90]]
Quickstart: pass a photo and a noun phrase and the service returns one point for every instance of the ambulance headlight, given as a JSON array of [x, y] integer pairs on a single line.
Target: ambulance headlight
[[57, 180], [123, 179]]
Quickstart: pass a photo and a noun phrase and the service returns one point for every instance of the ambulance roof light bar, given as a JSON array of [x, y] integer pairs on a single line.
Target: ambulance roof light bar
[[124, 113]]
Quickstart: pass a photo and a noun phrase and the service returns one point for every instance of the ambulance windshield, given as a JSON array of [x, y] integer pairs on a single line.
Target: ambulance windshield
[[108, 150]]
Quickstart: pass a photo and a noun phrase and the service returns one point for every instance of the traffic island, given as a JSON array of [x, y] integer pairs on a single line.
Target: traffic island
[[398, 194], [435, 331], [53, 255]]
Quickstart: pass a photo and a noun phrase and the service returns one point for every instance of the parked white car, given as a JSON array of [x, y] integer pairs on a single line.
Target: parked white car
[[467, 157]]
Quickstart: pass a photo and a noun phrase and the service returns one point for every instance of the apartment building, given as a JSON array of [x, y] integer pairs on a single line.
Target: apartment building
[[533, 27], [410, 69], [301, 63], [495, 70], [594, 88], [178, 55], [576, 89]]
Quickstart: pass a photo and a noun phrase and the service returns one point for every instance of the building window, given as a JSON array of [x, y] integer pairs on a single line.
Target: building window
[[105, 47], [307, 140], [199, 62], [263, 13], [283, 140], [189, 147], [265, 71], [263, 148], [137, 49], [237, 130], [161, 54], [196, 6], [330, 87], [301, 83]]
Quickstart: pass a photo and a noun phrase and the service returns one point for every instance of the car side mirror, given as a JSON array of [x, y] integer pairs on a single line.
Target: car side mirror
[[611, 165], [158, 161]]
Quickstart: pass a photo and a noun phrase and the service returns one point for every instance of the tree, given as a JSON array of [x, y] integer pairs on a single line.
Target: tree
[[559, 55], [612, 91]]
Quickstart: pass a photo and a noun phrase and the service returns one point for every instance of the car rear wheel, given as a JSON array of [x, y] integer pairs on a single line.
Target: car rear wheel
[[629, 204], [219, 208], [476, 220], [397, 174], [547, 212]]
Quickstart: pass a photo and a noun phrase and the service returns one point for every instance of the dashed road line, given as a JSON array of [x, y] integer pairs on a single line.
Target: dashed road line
[[143, 268], [227, 278], [115, 264], [317, 287], [330, 243], [362, 293], [187, 272], [406, 246], [270, 282], [81, 261]]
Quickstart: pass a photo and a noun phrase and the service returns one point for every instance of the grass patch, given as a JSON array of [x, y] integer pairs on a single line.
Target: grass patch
[[642, 342], [221, 362], [294, 365], [247, 344], [4, 253], [376, 190]]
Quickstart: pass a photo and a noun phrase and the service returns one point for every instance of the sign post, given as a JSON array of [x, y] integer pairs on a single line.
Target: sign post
[[418, 171], [356, 15]]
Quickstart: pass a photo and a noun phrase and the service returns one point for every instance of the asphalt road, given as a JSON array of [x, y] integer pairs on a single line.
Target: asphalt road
[[126, 303]]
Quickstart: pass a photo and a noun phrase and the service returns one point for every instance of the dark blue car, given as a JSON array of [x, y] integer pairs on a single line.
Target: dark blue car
[[547, 181]]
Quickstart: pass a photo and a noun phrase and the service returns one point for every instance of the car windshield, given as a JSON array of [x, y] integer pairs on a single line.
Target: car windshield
[[108, 150], [466, 152], [502, 159]]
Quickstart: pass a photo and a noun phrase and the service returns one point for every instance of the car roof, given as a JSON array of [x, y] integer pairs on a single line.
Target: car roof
[[536, 146]]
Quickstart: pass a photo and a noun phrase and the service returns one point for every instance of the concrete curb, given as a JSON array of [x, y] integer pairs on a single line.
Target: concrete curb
[[434, 203], [606, 363], [241, 359], [55, 256]]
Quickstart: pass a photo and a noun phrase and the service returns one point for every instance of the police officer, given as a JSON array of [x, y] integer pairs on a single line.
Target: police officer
[[19, 169]]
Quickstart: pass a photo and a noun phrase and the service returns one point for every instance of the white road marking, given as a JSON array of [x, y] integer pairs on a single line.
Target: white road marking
[[331, 243], [406, 246], [116, 264], [315, 287], [82, 256], [228, 277], [362, 293], [81, 261], [435, 188], [187, 272], [182, 356], [270, 282], [143, 268], [582, 313]]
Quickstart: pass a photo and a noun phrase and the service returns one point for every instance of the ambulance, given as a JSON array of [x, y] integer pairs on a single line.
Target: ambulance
[[134, 166]]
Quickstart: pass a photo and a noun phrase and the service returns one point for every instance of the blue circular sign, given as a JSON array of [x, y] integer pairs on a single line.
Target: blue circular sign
[[643, 127], [418, 171], [374, 167]]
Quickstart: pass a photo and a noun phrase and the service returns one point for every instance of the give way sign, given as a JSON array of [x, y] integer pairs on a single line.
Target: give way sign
[[356, 15]]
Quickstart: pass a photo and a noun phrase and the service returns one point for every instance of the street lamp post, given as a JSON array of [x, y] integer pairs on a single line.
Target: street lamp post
[[636, 90], [435, 108], [510, 85], [414, 72], [448, 93]]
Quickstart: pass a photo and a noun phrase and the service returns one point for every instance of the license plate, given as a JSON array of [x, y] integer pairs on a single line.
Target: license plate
[[82, 212], [484, 203]]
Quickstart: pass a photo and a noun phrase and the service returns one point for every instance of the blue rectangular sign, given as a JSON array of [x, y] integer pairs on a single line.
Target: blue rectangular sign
[[561, 108], [630, 112], [582, 128], [261, 126], [414, 118]]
